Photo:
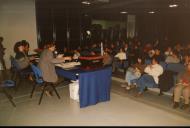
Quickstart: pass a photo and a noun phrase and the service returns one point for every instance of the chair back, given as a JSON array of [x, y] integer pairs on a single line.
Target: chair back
[[14, 64], [37, 73]]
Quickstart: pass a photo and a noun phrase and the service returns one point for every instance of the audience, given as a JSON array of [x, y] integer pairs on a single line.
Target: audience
[[143, 63]]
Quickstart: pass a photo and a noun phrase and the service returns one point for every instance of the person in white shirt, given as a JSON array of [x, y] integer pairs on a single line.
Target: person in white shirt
[[151, 77], [119, 59], [121, 55]]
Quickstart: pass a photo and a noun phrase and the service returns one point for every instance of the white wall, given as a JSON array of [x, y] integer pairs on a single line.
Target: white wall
[[17, 22]]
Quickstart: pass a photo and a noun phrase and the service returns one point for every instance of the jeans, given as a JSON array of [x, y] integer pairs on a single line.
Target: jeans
[[145, 81], [130, 76]]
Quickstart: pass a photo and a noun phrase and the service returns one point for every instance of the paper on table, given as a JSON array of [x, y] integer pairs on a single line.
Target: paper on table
[[68, 65]]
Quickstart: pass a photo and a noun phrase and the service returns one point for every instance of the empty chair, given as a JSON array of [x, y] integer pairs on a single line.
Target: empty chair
[[40, 82], [6, 84]]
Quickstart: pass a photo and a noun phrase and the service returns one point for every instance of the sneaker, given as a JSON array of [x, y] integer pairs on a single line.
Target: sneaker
[[185, 106], [128, 87], [139, 94], [175, 105]]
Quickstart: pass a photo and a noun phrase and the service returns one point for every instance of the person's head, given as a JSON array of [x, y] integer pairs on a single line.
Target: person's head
[[155, 60], [175, 53], [140, 60], [157, 52], [126, 45], [26, 45], [18, 47], [169, 49], [50, 46], [65, 49], [121, 50]]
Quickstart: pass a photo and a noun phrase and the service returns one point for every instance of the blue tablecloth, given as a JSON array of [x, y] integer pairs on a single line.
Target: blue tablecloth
[[94, 86]]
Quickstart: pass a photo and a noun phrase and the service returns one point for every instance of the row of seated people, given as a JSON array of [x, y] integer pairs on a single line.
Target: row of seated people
[[46, 63], [160, 75], [124, 57]]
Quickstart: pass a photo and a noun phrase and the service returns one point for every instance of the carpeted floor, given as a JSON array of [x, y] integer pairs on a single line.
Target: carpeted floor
[[122, 110]]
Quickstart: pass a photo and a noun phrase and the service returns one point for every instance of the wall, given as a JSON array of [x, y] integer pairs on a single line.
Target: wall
[[106, 24], [174, 26], [18, 22]]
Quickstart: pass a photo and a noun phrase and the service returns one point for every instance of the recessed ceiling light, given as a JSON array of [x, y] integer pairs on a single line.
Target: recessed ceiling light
[[123, 12], [85, 2], [151, 12], [173, 5]]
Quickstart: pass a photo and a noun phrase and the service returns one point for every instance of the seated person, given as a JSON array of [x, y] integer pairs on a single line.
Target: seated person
[[47, 64], [134, 72], [182, 88], [151, 78], [168, 51], [22, 59], [76, 55], [172, 58], [107, 59], [27, 49], [119, 59]]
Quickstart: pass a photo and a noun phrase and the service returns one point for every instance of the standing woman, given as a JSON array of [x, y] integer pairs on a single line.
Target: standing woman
[[47, 63]]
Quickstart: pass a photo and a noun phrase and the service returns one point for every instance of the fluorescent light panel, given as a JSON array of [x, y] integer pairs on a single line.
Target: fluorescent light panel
[[123, 12], [173, 5], [85, 2], [151, 12]]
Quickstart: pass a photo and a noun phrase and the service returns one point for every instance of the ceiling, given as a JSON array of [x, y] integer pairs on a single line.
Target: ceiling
[[110, 9], [136, 6]]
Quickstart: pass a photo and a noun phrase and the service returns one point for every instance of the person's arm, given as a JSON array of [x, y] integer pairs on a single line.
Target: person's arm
[[48, 56]]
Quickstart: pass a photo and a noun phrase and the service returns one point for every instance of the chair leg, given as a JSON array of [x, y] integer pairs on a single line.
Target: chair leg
[[9, 97], [17, 82], [17, 85], [161, 93], [55, 91], [34, 87], [42, 94], [12, 75]]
